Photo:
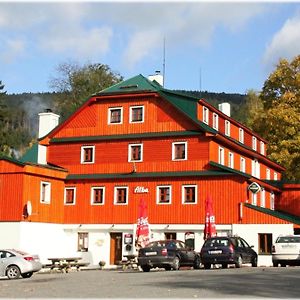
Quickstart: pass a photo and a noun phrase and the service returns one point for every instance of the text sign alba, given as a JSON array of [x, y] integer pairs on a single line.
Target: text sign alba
[[141, 190], [254, 187]]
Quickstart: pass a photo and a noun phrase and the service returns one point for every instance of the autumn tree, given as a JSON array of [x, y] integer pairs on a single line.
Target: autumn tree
[[279, 123], [76, 83]]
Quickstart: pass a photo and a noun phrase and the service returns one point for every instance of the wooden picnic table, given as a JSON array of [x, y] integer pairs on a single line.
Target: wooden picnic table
[[64, 264]]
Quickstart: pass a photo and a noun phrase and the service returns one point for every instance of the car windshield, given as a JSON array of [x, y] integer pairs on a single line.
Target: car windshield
[[217, 243], [288, 239]]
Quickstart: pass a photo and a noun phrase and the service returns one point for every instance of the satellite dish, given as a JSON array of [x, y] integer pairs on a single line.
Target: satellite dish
[[29, 208]]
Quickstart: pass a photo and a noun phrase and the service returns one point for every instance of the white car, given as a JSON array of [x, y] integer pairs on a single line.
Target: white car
[[286, 251], [15, 263]]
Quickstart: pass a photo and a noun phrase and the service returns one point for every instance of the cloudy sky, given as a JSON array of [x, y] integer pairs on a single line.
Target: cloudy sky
[[218, 47]]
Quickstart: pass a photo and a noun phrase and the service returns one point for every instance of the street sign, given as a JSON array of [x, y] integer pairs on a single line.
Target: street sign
[[254, 187]]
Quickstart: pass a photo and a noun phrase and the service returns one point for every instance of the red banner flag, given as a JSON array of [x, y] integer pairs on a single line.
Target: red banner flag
[[210, 226], [142, 230]]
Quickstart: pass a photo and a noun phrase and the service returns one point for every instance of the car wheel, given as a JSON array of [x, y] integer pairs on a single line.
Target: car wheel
[[145, 268], [176, 263], [283, 265], [275, 264], [197, 262], [254, 262], [239, 262], [168, 268], [13, 272], [207, 266], [224, 266], [27, 275]]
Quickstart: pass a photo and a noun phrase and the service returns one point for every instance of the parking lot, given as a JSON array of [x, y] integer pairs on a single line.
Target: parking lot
[[187, 283]]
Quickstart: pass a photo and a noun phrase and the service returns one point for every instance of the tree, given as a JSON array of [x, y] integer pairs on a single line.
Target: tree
[[279, 123], [76, 83]]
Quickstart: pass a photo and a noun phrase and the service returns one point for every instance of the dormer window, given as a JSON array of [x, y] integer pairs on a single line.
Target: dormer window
[[254, 143], [136, 114], [205, 115], [215, 121], [115, 115], [241, 135]]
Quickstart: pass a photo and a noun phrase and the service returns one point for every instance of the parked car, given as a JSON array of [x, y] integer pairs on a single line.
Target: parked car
[[286, 250], [167, 254], [227, 250], [15, 263]]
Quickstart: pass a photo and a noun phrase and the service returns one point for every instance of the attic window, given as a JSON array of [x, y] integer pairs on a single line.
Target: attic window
[[129, 86]]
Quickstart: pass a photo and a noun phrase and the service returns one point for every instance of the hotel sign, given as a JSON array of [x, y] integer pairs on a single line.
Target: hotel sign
[[141, 190], [254, 187]]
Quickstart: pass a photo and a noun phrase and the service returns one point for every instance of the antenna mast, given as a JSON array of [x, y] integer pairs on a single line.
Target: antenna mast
[[164, 62]]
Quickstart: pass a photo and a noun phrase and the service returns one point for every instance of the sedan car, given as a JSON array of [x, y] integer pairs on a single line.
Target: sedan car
[[167, 254], [286, 250], [14, 263], [227, 250]]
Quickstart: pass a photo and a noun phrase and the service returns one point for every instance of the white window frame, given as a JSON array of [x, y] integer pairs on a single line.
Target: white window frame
[[262, 148], [241, 135], [130, 113], [92, 195], [183, 193], [130, 152], [109, 115], [221, 156], [268, 174], [158, 193], [82, 161], [227, 127], [215, 121], [243, 164], [231, 160], [45, 192], [275, 176], [262, 197], [272, 201], [174, 152], [254, 143], [115, 195], [255, 168], [254, 199], [65, 195], [205, 115]]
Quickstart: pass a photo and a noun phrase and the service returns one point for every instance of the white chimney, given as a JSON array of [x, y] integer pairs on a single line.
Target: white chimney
[[225, 108], [47, 121], [157, 77]]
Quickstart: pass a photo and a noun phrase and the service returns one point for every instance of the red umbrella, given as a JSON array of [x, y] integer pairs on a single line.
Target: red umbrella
[[210, 226], [142, 230]]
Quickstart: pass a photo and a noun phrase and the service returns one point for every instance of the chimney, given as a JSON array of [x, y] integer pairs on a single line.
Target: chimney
[[47, 122], [157, 77], [225, 108]]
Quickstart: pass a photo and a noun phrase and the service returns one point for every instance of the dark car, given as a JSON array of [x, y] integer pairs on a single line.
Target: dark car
[[227, 250], [168, 254]]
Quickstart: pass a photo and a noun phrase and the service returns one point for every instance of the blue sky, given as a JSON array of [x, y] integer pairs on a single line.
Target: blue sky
[[221, 46]]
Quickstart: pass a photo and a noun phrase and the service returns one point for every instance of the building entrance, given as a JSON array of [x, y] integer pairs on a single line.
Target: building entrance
[[115, 248]]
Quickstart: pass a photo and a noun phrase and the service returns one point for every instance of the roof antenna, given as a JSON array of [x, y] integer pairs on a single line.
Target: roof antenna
[[164, 62]]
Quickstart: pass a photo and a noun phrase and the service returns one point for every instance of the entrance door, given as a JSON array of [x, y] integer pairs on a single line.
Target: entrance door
[[170, 235], [115, 248]]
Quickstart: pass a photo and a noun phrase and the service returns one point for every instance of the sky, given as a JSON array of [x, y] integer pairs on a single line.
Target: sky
[[220, 46]]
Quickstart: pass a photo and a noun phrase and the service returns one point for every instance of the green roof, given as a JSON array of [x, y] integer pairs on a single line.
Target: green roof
[[134, 175], [12, 160], [125, 136], [31, 155], [275, 213], [230, 170]]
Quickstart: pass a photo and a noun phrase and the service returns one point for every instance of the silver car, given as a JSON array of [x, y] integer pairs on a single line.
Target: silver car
[[15, 263]]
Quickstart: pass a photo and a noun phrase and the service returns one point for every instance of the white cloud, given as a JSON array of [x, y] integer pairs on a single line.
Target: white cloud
[[12, 48], [285, 43]]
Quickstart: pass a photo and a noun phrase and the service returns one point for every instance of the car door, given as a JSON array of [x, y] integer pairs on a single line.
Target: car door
[[182, 250], [248, 252], [2, 262]]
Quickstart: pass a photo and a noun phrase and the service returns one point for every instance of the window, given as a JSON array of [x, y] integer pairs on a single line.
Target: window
[[254, 143], [45, 192], [231, 160], [255, 168], [272, 201], [87, 154], [121, 195], [241, 135], [70, 195], [205, 115], [135, 152], [254, 199], [265, 243], [179, 151], [189, 238], [215, 121], [136, 114], [189, 194], [227, 127], [262, 148], [163, 195], [243, 165], [268, 174], [221, 156], [115, 115], [97, 195], [83, 241], [263, 197], [275, 176]]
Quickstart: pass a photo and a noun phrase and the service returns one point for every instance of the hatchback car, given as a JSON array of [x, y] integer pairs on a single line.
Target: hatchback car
[[286, 251], [227, 250], [167, 254], [14, 263]]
